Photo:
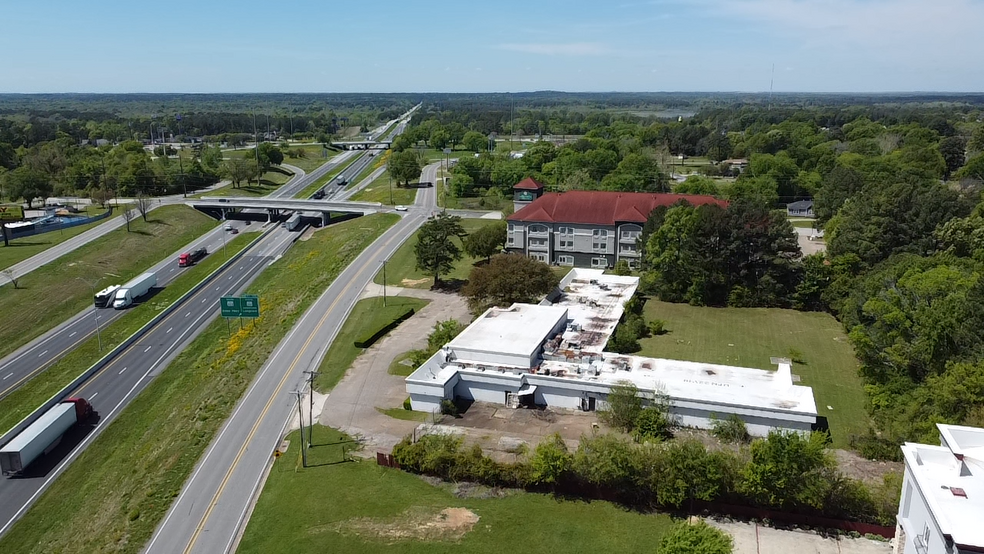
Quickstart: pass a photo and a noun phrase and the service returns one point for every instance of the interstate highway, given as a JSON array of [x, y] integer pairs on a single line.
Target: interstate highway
[[114, 386]]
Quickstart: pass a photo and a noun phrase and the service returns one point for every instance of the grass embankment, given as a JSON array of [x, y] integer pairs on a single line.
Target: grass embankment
[[314, 157], [377, 162], [119, 489], [21, 249], [803, 223], [324, 179], [367, 315], [399, 366], [339, 506], [45, 384], [379, 191], [269, 182], [748, 337], [54, 292], [401, 270]]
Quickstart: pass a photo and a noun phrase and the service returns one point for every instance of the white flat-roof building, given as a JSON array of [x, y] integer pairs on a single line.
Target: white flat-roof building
[[942, 505], [553, 354]]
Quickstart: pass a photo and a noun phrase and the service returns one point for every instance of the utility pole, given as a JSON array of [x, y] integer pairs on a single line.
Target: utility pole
[[311, 375], [92, 286], [384, 283], [300, 419]]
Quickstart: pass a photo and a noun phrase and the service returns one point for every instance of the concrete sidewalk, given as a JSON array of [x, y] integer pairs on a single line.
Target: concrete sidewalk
[[752, 538]]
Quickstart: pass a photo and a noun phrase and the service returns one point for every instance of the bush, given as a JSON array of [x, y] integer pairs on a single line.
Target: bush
[[657, 327], [652, 424], [622, 268], [551, 463], [449, 408], [873, 447], [624, 406], [697, 538], [623, 341], [407, 404], [730, 429]]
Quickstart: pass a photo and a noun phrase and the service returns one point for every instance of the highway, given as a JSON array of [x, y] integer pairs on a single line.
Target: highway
[[115, 385], [214, 502]]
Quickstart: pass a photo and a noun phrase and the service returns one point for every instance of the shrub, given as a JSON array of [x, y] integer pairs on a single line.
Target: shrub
[[407, 405], [449, 408], [622, 268], [796, 356], [551, 463], [730, 429], [652, 424], [657, 327], [623, 341], [697, 538], [624, 406], [687, 472], [784, 469], [606, 460], [873, 447]]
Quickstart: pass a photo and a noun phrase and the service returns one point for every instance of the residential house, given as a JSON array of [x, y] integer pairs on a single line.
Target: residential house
[[585, 228], [802, 208]]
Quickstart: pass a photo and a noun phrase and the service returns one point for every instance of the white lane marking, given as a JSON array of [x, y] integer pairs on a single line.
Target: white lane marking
[[42, 354], [217, 288], [8, 377], [122, 370], [73, 334], [172, 269], [169, 330], [203, 300], [240, 267], [148, 349], [230, 277], [187, 314], [95, 394]]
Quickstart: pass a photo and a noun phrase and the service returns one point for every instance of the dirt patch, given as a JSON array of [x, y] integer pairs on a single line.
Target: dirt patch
[[870, 471], [418, 523], [307, 234], [414, 282]]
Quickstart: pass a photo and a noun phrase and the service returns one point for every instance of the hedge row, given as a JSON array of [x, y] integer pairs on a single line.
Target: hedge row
[[370, 337]]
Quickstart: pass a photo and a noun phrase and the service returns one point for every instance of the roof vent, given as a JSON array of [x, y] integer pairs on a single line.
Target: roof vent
[[958, 492]]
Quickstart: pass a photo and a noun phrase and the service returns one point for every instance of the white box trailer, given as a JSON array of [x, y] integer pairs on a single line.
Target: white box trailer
[[134, 289], [40, 436]]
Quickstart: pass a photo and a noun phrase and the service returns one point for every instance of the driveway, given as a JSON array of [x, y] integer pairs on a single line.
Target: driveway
[[752, 538]]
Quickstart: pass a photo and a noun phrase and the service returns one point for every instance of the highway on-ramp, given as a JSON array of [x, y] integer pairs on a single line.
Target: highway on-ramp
[[214, 502]]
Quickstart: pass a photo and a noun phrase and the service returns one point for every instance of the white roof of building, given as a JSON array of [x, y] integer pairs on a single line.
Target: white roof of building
[[951, 478], [518, 330], [595, 303]]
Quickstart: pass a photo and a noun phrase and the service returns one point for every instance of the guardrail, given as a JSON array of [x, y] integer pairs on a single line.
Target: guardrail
[[62, 394]]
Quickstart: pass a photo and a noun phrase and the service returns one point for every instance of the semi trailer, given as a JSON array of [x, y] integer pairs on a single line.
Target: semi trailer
[[134, 289], [44, 434]]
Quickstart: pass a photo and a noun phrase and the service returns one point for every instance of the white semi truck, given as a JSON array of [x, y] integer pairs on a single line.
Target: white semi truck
[[43, 435], [134, 289]]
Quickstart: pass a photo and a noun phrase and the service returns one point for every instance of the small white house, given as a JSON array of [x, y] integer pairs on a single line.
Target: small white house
[[802, 208], [942, 506]]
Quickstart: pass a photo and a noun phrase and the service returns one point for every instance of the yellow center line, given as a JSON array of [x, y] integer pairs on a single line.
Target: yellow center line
[[266, 408]]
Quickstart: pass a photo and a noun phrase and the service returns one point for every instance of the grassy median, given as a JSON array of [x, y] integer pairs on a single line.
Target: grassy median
[[401, 270], [54, 292], [115, 494], [26, 398], [379, 191], [335, 505]]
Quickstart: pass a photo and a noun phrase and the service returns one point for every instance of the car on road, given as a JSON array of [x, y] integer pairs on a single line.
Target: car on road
[[401, 208], [229, 227], [234, 231]]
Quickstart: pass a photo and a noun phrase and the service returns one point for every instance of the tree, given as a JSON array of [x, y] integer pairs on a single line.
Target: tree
[[839, 185], [687, 472], [623, 406], [506, 279], [238, 170], [268, 155], [974, 168], [697, 184], [439, 138], [128, 216], [697, 538], [551, 462], [786, 470], [143, 204], [436, 250], [952, 149], [27, 183], [403, 166], [487, 241], [474, 141], [10, 275]]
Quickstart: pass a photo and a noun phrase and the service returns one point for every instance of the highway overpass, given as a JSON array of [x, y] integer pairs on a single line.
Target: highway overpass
[[221, 207]]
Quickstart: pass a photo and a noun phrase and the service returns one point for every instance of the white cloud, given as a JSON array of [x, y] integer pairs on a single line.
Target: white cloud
[[558, 49]]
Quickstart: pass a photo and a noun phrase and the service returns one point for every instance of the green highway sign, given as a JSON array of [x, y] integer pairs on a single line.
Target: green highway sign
[[250, 305], [231, 306]]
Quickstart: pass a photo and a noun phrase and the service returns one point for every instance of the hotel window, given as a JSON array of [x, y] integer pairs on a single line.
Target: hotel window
[[538, 242], [565, 231], [599, 262], [540, 256], [599, 240], [565, 260]]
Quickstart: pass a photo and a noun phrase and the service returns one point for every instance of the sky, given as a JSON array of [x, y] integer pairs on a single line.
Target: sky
[[500, 46]]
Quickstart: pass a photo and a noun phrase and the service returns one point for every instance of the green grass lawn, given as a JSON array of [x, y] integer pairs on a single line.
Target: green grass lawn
[[21, 249], [404, 414], [58, 375], [379, 191], [113, 497], [312, 157], [397, 367], [269, 182], [487, 203], [348, 506], [53, 292], [803, 223], [748, 337], [401, 269], [367, 314]]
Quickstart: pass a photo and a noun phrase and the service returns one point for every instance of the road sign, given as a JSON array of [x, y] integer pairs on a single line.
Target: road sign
[[231, 306], [250, 305], [11, 212]]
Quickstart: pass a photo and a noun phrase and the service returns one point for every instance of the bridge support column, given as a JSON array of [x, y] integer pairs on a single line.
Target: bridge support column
[[325, 218]]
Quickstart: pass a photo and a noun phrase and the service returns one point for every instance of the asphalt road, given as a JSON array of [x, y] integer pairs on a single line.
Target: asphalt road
[[36, 356], [214, 503], [113, 387]]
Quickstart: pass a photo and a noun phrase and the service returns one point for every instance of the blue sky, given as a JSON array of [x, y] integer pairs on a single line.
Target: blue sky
[[504, 45]]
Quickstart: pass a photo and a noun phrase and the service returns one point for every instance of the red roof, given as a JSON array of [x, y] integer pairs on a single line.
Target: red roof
[[528, 183], [597, 207]]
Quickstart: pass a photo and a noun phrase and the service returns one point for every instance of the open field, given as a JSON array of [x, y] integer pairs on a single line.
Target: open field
[[55, 291], [98, 505], [344, 506], [379, 191], [367, 314], [21, 249], [401, 270], [748, 337], [313, 157], [269, 182], [43, 386]]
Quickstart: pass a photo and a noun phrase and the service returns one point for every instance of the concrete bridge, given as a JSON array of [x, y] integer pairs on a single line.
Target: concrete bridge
[[221, 207]]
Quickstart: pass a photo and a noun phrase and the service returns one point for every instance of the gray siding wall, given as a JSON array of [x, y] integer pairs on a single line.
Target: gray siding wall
[[582, 236]]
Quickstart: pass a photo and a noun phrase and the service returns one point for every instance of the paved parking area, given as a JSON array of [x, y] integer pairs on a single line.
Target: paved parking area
[[752, 538]]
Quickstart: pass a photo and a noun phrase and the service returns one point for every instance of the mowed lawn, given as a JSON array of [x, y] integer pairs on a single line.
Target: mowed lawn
[[379, 191], [748, 337], [269, 182], [357, 506], [314, 157], [21, 249], [401, 270]]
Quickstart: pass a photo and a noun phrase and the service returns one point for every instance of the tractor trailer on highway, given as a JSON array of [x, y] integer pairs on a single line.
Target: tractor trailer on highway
[[191, 258], [43, 435], [293, 223], [136, 288]]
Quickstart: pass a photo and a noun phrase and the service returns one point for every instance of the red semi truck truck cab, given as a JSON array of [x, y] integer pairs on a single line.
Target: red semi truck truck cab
[[190, 258]]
